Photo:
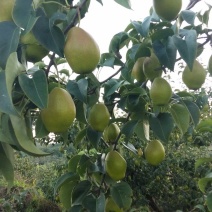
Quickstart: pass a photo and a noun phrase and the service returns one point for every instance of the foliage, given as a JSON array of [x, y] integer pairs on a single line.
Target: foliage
[[24, 94]]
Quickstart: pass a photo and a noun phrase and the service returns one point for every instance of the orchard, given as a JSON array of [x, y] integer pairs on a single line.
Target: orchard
[[135, 121]]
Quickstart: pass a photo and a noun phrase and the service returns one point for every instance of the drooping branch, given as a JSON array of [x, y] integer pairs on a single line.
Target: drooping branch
[[191, 4], [73, 22]]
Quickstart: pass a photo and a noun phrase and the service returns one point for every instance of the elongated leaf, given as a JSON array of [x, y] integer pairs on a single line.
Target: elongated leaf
[[166, 52], [9, 40], [13, 68], [205, 125], [6, 166], [65, 193], [35, 88], [80, 191], [23, 14], [93, 136], [209, 201], [40, 130], [145, 26], [142, 129], [200, 161], [118, 41], [181, 117], [124, 3], [51, 37], [78, 89], [128, 128], [122, 195], [162, 125], [193, 110], [68, 177], [188, 16], [203, 182], [20, 135], [187, 46]]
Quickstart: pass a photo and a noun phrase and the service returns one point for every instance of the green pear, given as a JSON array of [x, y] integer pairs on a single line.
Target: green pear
[[81, 51]]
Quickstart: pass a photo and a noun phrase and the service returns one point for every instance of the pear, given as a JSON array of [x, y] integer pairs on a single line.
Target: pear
[[81, 51], [61, 111], [99, 117], [160, 91], [195, 78], [152, 67], [137, 70], [210, 65], [167, 9], [154, 152], [34, 51]]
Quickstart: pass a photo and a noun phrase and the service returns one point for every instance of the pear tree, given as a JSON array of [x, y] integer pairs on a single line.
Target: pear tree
[[39, 97]]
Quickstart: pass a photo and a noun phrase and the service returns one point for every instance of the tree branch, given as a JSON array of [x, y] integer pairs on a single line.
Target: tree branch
[[192, 4]]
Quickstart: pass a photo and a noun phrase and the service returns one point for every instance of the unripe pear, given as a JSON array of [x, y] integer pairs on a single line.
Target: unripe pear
[[210, 65], [115, 165], [61, 111], [99, 117], [81, 51], [152, 67], [195, 78], [111, 132], [160, 92], [6, 7], [154, 152], [137, 70], [34, 51], [167, 9]]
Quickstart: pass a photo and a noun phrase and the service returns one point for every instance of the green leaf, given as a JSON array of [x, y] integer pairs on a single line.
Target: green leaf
[[80, 191], [118, 41], [20, 135], [40, 129], [9, 40], [128, 128], [193, 110], [73, 163], [124, 3], [65, 193], [35, 88], [203, 182], [81, 112], [78, 89], [205, 125], [142, 129], [23, 15], [162, 34], [111, 86], [94, 137], [108, 59], [209, 201], [51, 37], [68, 177], [189, 16], [200, 207], [200, 161], [166, 52], [162, 125], [130, 147], [91, 203], [80, 135], [186, 44], [181, 117], [6, 165], [7, 78], [122, 195], [145, 26]]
